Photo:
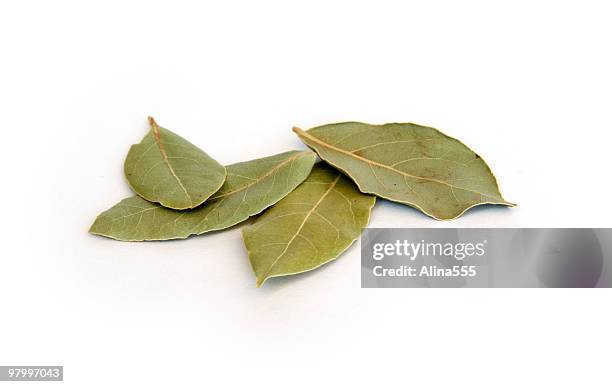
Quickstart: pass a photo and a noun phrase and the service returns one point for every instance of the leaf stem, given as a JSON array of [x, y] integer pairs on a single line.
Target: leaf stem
[[152, 122]]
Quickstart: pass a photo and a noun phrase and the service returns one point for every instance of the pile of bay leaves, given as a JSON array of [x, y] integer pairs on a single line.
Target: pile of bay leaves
[[308, 212]]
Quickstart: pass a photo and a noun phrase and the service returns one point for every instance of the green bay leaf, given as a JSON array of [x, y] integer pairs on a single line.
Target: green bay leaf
[[408, 163], [251, 187], [309, 227], [167, 169]]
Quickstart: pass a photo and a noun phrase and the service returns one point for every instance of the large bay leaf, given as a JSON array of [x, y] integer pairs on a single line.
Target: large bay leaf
[[250, 187], [309, 227], [165, 168], [407, 163]]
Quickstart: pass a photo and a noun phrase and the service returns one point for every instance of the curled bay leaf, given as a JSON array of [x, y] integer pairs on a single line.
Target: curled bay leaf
[[408, 163], [309, 227], [250, 187], [167, 169]]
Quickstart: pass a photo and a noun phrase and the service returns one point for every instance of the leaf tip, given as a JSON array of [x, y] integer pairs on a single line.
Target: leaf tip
[[297, 130], [92, 228]]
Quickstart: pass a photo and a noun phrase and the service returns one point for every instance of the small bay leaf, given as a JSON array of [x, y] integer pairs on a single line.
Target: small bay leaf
[[251, 186], [408, 163], [167, 169], [309, 227]]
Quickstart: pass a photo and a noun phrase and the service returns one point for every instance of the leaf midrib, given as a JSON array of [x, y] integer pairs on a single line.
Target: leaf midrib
[[302, 133], [260, 178], [157, 138], [306, 217]]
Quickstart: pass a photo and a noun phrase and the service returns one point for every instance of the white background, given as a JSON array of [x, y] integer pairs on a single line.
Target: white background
[[527, 84]]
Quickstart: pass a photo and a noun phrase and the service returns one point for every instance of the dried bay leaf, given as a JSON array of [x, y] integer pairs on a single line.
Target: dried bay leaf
[[167, 169], [309, 227], [250, 187], [408, 163]]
